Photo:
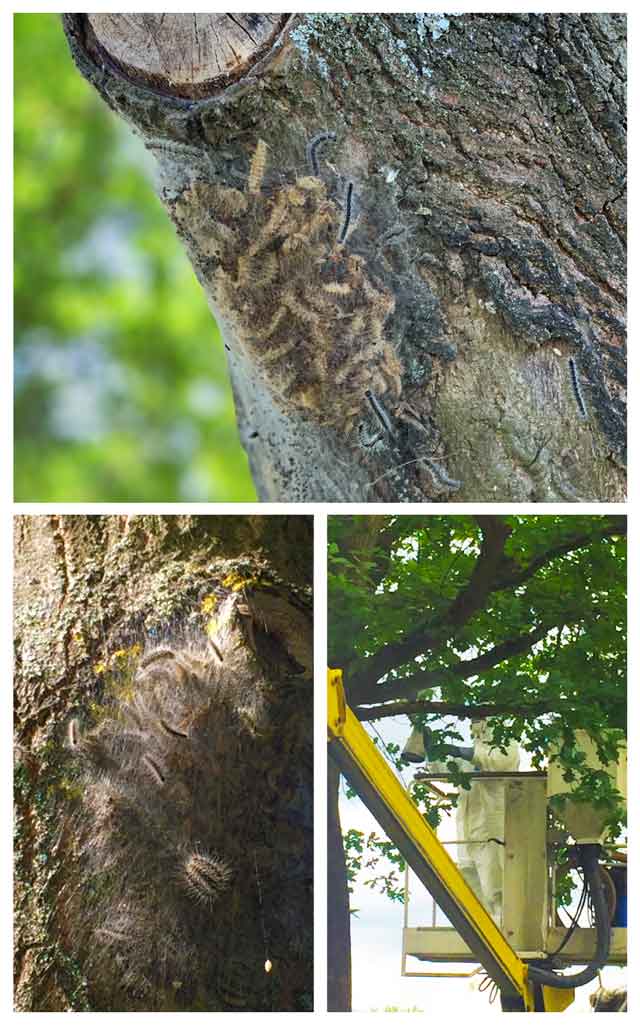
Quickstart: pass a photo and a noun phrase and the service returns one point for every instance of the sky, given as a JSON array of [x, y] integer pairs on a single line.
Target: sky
[[376, 938]]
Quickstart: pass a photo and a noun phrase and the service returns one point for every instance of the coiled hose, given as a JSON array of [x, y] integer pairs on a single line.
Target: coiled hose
[[589, 854]]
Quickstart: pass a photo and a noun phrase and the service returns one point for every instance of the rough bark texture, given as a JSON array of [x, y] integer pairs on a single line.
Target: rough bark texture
[[433, 306], [164, 763], [338, 925]]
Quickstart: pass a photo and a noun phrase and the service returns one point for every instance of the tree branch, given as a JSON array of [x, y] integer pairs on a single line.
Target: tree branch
[[495, 532], [460, 711], [409, 686], [494, 571], [612, 525]]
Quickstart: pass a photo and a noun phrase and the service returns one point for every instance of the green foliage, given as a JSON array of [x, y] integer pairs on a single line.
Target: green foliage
[[364, 853], [121, 388], [399, 577]]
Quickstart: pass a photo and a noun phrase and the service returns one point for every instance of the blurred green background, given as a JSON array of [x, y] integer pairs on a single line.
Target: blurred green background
[[121, 389]]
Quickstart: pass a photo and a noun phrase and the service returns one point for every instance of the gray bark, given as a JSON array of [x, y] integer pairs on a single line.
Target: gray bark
[[164, 781], [480, 163]]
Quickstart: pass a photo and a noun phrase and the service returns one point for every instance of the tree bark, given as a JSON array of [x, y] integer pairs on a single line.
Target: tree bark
[[338, 921], [164, 777], [431, 306]]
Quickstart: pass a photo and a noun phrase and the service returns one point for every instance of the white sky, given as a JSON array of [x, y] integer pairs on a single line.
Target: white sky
[[376, 939]]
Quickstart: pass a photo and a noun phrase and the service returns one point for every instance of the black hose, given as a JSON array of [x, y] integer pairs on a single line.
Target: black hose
[[574, 922], [589, 854]]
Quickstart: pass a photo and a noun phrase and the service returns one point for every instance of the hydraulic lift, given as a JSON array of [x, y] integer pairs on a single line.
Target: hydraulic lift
[[523, 986]]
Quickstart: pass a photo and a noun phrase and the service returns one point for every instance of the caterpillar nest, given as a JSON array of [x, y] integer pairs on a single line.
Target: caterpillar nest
[[302, 306], [194, 779]]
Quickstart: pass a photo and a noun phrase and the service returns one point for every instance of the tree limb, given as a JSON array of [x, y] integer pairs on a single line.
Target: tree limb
[[443, 708], [494, 571], [612, 525], [411, 685], [451, 239]]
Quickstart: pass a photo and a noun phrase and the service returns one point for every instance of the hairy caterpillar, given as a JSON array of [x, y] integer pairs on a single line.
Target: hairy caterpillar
[[303, 308], [256, 171], [347, 214], [195, 769], [577, 391], [312, 149], [379, 411], [72, 734], [205, 877], [441, 476]]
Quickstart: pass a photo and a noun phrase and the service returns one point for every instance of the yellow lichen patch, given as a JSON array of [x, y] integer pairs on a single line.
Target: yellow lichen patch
[[208, 604], [118, 669], [242, 584], [231, 579], [211, 627], [70, 791]]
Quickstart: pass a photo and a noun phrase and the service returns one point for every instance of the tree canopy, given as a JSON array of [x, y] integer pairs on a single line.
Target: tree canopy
[[121, 387], [522, 618]]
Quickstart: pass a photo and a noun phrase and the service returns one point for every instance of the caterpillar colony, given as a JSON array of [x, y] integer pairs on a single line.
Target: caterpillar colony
[[194, 776], [301, 305]]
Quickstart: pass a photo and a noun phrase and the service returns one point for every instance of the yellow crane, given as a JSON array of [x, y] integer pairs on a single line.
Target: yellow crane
[[523, 986]]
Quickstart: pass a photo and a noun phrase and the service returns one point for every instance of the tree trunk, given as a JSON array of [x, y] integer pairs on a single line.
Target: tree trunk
[[164, 763], [431, 305], [338, 922]]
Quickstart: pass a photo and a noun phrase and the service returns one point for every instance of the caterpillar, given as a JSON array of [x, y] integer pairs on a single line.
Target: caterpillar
[[256, 171], [441, 476], [312, 148], [303, 308], [347, 214], [177, 784], [577, 391], [379, 411]]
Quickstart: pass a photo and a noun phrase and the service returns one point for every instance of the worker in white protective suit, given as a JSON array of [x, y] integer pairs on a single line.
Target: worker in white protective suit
[[479, 811]]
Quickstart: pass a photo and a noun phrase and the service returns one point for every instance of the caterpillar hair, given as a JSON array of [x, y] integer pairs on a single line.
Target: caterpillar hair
[[312, 149], [440, 475], [156, 655], [72, 733], [379, 411], [215, 649], [205, 877], [256, 170], [178, 780], [153, 769], [169, 729], [577, 391], [347, 214]]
